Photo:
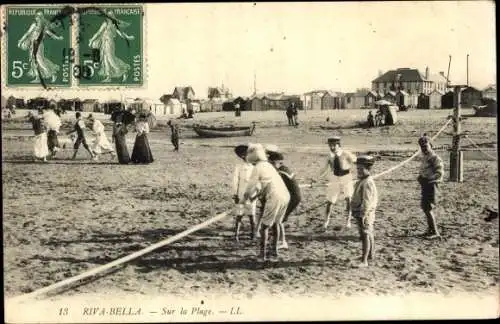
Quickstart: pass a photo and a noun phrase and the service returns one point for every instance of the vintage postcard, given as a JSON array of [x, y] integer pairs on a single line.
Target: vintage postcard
[[180, 162], [110, 45]]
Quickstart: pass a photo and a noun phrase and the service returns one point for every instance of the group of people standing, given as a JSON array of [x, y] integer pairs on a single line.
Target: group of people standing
[[46, 126], [262, 176]]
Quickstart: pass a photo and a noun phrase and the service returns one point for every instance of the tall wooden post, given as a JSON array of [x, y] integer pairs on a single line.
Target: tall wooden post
[[456, 155]]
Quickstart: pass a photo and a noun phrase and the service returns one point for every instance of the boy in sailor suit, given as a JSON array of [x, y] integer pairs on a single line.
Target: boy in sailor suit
[[241, 177]]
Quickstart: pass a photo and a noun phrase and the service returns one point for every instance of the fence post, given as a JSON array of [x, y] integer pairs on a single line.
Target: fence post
[[456, 155]]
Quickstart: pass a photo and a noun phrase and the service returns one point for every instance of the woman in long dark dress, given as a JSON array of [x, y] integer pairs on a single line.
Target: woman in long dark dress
[[119, 132], [142, 152]]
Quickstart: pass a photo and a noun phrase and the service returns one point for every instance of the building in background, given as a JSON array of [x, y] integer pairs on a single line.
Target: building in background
[[183, 93], [470, 96]]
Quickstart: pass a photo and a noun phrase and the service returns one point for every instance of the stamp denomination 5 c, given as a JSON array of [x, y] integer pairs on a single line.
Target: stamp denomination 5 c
[[37, 47], [110, 47]]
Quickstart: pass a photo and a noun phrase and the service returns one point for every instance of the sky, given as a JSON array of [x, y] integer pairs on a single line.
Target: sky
[[299, 47]]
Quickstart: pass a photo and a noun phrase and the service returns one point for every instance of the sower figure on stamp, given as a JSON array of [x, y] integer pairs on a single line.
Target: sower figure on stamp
[[295, 115], [363, 205], [241, 178], [291, 183], [79, 128], [174, 134], [53, 124], [338, 166], [265, 181], [431, 173]]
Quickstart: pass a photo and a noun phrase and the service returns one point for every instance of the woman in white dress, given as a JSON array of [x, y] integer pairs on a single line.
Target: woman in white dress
[[40, 148], [38, 61], [101, 144], [104, 41], [265, 182], [141, 152]]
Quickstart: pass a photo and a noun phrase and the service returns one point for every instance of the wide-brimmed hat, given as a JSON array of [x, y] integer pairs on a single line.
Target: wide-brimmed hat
[[333, 140], [366, 160], [256, 153], [241, 150], [424, 140], [275, 156]]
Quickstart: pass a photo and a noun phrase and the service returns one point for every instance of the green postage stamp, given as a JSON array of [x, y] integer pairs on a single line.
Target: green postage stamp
[[110, 46], [38, 43], [73, 46]]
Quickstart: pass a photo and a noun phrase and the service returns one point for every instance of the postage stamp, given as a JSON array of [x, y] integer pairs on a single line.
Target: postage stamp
[[38, 43], [110, 50]]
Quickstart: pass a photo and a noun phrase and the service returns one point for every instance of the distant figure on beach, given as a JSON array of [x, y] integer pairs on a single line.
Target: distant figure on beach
[[40, 148], [370, 119], [119, 138], [379, 118], [289, 114], [174, 134], [241, 177], [79, 128], [141, 152], [101, 144], [338, 167], [431, 173], [363, 205]]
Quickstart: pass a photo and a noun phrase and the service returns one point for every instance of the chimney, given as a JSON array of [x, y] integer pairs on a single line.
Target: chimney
[[427, 72], [380, 72]]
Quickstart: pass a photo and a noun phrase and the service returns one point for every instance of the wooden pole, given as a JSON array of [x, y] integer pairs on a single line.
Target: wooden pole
[[467, 69], [456, 157]]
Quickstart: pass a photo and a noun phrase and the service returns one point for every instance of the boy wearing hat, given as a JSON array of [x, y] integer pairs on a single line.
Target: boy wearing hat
[[174, 134], [241, 177], [341, 184], [431, 173], [363, 205], [276, 159], [266, 183]]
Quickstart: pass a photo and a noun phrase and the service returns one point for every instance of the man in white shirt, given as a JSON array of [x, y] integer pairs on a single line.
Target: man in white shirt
[[338, 167], [101, 144], [79, 128]]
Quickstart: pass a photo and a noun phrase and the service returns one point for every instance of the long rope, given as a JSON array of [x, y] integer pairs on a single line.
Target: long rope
[[479, 148]]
